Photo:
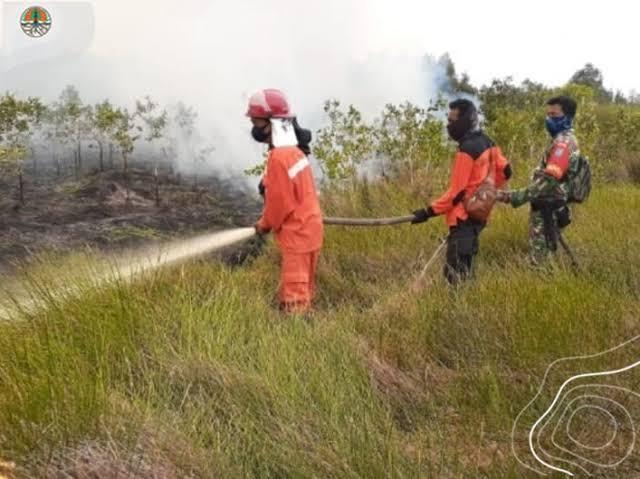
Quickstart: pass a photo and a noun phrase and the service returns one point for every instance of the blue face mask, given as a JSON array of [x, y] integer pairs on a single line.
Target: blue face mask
[[557, 125]]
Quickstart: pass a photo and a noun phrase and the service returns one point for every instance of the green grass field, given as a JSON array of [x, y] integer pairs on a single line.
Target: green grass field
[[191, 372]]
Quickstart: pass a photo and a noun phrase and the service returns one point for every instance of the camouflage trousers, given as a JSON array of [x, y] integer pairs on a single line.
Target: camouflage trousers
[[540, 250]]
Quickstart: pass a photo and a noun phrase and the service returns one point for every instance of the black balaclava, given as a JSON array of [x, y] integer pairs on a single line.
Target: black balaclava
[[466, 122], [260, 135]]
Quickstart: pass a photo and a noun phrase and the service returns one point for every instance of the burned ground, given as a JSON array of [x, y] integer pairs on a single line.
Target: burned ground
[[62, 214]]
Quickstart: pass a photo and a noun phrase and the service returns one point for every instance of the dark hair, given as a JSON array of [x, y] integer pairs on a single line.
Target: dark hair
[[568, 104], [463, 106], [303, 136]]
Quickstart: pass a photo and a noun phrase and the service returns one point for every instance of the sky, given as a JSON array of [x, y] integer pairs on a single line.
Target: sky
[[213, 54]]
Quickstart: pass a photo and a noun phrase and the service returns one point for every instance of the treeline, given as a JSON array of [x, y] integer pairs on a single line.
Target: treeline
[[589, 76], [59, 135], [406, 140]]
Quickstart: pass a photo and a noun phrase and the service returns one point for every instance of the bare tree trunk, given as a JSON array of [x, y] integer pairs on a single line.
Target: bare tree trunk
[[21, 185], [101, 157], [79, 155], [35, 162], [157, 188], [383, 168], [65, 161], [111, 156], [168, 160], [76, 165], [56, 160], [411, 167], [125, 164], [354, 179]]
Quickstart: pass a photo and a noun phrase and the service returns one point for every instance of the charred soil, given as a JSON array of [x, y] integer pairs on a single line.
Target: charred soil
[[110, 211]]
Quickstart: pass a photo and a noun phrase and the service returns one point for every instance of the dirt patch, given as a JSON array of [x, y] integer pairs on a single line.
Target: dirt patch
[[7, 469], [119, 196], [409, 385], [93, 460], [393, 382]]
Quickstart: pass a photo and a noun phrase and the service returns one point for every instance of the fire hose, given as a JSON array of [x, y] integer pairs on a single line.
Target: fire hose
[[395, 220]]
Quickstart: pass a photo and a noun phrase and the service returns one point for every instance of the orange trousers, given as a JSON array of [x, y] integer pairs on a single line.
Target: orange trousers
[[298, 281]]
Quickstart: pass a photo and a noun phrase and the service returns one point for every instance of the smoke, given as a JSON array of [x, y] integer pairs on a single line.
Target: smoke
[[212, 55]]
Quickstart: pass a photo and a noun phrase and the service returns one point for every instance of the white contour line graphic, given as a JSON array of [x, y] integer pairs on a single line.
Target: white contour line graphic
[[608, 466], [540, 389], [577, 441], [553, 403]]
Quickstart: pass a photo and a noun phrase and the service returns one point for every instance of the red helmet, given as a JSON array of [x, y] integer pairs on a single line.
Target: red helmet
[[269, 103]]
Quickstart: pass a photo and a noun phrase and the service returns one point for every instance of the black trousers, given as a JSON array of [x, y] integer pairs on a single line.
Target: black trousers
[[462, 245]]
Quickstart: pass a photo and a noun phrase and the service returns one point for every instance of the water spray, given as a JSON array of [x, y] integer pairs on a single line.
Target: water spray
[[125, 268]]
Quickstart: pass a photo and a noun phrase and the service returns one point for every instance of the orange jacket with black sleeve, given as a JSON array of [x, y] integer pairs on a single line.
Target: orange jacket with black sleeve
[[291, 208], [470, 168]]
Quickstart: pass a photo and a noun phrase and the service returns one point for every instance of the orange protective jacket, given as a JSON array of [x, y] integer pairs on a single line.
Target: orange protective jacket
[[470, 168], [291, 208]]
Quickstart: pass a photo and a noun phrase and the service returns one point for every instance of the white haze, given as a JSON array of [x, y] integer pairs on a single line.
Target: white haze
[[212, 54]]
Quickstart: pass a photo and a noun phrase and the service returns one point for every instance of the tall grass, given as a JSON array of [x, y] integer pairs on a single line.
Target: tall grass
[[190, 371]]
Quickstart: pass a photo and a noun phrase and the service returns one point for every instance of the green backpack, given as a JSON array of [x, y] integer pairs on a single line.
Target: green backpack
[[578, 181]]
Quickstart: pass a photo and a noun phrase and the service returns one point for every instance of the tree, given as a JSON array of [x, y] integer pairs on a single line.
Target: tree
[[592, 77], [85, 126], [154, 126], [76, 120], [503, 95], [345, 144], [36, 112], [619, 98], [409, 137], [18, 119], [105, 125], [588, 75], [57, 132], [182, 133], [154, 122], [50, 137], [125, 134], [11, 159], [202, 155], [455, 85], [514, 118]]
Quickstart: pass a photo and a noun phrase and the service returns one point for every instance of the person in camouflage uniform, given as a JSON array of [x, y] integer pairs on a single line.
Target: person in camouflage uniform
[[547, 192]]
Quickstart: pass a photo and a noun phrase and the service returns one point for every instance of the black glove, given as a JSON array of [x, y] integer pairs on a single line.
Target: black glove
[[422, 215], [261, 189]]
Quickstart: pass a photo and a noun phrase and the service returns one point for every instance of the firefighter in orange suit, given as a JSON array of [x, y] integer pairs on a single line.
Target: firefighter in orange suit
[[291, 211], [470, 168]]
